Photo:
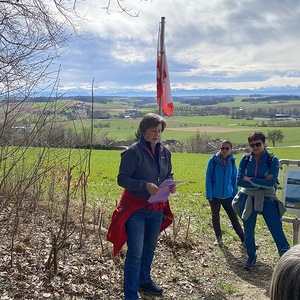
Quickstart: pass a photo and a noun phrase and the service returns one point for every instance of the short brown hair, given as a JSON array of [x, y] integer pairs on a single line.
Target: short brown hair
[[256, 136], [151, 120]]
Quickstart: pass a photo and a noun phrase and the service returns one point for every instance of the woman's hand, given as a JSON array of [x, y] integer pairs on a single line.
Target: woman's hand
[[246, 178], [152, 188], [173, 189]]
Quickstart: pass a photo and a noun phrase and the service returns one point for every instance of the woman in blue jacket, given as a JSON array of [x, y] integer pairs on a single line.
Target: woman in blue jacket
[[257, 177], [221, 187]]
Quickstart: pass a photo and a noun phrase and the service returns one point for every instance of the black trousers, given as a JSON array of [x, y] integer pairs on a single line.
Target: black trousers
[[215, 205]]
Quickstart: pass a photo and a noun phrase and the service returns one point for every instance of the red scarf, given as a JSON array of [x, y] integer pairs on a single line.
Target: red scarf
[[129, 204]]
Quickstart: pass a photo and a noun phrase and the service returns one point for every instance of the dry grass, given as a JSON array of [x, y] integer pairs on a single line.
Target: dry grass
[[187, 268]]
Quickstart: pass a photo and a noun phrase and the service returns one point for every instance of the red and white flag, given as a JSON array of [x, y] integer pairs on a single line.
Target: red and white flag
[[163, 80]]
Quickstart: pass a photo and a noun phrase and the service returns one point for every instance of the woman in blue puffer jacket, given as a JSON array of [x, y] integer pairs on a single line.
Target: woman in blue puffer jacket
[[221, 187]]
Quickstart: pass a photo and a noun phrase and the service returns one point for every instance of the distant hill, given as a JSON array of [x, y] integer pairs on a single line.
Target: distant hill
[[285, 90]]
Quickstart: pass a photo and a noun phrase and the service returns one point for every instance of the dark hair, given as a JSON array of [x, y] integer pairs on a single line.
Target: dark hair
[[151, 120], [285, 283], [227, 142], [256, 136]]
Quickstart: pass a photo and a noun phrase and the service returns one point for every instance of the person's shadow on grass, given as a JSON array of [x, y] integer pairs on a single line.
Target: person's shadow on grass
[[259, 276]]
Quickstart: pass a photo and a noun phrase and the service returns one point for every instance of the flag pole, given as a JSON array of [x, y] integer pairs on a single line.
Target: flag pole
[[162, 54]]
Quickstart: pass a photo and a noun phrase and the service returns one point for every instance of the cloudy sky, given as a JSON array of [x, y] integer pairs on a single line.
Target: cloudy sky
[[209, 44]]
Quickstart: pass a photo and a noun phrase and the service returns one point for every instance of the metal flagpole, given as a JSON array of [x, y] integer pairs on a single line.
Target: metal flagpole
[[162, 63]]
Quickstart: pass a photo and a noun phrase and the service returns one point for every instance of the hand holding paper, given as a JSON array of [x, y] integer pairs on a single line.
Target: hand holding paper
[[164, 191], [152, 188]]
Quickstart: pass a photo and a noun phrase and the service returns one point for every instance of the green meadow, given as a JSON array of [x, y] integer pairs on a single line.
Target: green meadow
[[189, 205], [188, 202], [186, 166], [183, 128]]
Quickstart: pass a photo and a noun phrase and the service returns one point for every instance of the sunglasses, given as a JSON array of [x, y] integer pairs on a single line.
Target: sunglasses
[[225, 148], [255, 145]]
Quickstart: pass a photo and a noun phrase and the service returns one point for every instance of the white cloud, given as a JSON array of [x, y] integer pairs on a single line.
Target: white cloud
[[217, 43]]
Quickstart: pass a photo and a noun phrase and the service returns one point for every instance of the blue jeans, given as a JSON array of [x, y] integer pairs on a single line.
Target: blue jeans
[[271, 216], [142, 229]]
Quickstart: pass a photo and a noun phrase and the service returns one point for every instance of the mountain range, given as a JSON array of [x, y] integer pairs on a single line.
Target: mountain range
[[126, 92]]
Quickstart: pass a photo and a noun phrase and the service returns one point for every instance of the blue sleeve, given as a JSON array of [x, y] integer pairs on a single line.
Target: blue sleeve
[[265, 182], [241, 173], [260, 181], [233, 179], [208, 179]]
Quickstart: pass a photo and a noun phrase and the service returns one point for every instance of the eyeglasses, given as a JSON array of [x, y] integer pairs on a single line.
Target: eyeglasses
[[255, 145], [225, 148]]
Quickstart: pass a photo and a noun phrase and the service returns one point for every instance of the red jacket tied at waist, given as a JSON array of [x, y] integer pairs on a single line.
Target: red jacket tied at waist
[[129, 204]]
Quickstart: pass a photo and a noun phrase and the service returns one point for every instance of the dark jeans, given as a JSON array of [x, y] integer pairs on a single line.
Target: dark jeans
[[215, 205], [142, 229]]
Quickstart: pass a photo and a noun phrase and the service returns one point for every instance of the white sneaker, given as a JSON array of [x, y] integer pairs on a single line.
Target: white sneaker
[[218, 241]]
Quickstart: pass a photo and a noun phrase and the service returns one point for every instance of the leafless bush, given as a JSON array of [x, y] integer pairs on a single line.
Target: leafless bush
[[40, 183], [198, 144]]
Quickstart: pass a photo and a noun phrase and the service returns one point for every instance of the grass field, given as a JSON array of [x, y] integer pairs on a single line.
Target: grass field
[[183, 128], [186, 166], [188, 202]]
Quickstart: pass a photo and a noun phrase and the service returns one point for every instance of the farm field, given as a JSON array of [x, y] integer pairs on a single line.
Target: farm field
[[183, 128], [264, 104], [179, 127]]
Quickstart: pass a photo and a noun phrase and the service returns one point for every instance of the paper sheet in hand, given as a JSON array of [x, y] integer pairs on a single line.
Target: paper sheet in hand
[[164, 191]]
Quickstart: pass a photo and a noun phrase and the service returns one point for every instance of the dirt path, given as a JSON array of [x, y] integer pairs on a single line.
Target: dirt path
[[209, 272]]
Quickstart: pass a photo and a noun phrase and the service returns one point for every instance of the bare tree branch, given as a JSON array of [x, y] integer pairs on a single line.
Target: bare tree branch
[[122, 7]]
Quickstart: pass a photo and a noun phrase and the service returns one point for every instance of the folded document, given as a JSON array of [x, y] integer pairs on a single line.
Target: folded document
[[164, 191]]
